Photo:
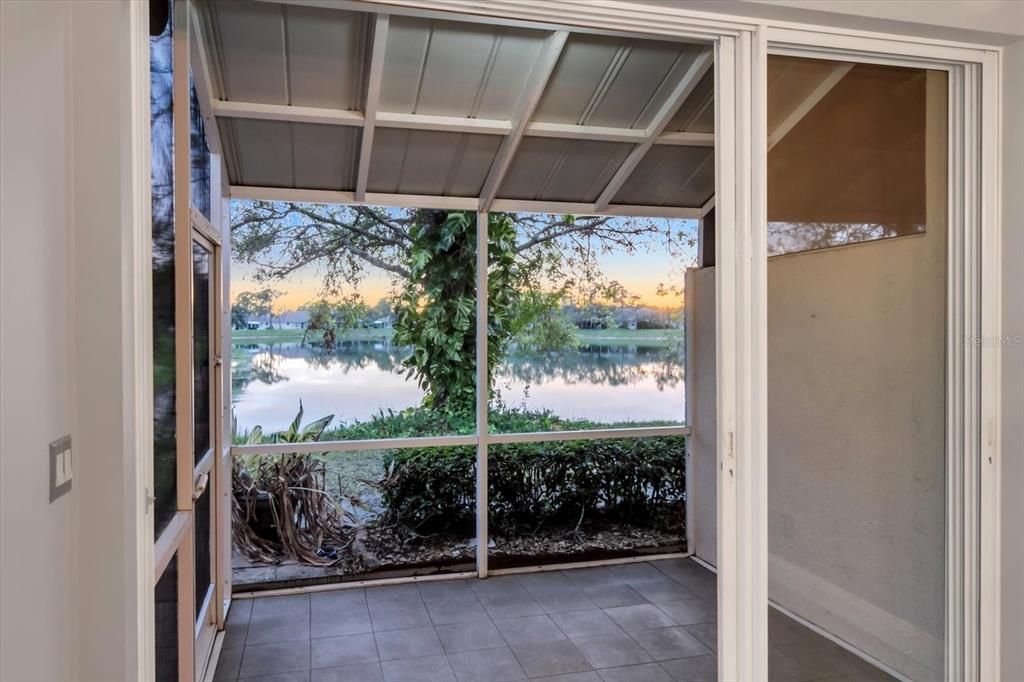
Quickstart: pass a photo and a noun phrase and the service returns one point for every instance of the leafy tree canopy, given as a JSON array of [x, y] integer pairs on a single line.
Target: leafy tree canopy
[[331, 317], [256, 303]]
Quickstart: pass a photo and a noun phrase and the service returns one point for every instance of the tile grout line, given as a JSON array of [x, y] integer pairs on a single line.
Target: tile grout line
[[569, 587]]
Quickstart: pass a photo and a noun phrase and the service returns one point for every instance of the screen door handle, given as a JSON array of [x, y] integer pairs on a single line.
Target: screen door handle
[[201, 484]]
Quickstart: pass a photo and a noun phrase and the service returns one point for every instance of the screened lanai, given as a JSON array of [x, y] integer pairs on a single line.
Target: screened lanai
[[364, 105], [336, 105], [311, 104]]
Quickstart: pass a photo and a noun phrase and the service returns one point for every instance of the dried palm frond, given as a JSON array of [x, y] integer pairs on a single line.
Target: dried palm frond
[[309, 526]]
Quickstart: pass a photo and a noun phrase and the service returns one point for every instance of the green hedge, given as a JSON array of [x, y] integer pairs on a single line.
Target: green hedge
[[534, 485]]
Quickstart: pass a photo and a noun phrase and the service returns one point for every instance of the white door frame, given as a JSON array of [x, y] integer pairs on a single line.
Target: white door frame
[[740, 347], [741, 46]]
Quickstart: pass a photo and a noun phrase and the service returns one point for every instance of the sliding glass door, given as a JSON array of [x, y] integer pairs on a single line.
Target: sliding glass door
[[857, 322], [869, 301]]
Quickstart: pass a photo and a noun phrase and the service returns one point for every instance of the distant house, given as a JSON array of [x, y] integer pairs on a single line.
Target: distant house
[[257, 323], [383, 322], [295, 319]]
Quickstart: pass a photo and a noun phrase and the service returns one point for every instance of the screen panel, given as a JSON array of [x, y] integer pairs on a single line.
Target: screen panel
[[166, 623], [362, 314], [164, 395], [203, 549], [587, 326], [584, 500], [202, 350]]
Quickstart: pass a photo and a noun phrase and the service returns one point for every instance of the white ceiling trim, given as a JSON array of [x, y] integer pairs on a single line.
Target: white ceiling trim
[[317, 196], [603, 17], [525, 107], [684, 87], [380, 41]]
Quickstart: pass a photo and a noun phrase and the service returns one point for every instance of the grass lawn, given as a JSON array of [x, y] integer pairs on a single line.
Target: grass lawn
[[284, 335], [628, 335], [586, 336]]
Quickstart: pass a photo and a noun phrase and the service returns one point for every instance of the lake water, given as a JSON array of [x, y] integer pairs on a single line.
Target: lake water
[[604, 383]]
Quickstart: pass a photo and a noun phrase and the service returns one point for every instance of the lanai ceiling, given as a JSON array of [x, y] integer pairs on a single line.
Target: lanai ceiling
[[324, 103], [320, 101]]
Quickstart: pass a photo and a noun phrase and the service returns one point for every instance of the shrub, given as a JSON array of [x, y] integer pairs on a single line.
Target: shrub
[[531, 485]]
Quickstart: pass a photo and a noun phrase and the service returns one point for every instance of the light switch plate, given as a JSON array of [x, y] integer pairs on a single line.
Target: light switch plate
[[60, 467]]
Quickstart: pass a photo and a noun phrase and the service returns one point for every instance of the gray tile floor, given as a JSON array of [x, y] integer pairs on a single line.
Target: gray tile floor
[[645, 622]]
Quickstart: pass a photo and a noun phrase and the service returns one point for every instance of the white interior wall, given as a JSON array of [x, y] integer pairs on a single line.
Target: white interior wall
[[105, 296], [38, 561], [68, 592]]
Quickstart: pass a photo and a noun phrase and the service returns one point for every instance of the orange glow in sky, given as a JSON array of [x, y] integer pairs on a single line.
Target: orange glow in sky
[[640, 273]]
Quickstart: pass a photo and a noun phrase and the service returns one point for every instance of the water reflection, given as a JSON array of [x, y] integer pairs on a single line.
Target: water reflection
[[358, 379]]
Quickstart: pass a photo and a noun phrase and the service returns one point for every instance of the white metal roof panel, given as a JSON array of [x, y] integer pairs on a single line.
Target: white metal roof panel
[[326, 57], [697, 113], [250, 46], [614, 82], [456, 69], [668, 175], [562, 170], [282, 154], [428, 162], [281, 54], [286, 71]]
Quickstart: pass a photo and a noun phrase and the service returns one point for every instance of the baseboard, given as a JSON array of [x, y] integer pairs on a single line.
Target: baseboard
[[849, 620]]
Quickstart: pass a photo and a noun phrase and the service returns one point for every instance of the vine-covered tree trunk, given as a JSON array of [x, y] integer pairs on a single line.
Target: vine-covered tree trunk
[[436, 311]]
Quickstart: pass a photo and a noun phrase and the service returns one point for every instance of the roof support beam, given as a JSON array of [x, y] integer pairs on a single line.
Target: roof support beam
[[380, 42], [525, 107], [287, 112], [579, 132], [449, 124], [318, 196], [568, 208], [708, 205], [809, 102], [684, 139], [686, 84]]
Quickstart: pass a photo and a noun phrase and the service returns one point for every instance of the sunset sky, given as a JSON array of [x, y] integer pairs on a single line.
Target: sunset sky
[[639, 272]]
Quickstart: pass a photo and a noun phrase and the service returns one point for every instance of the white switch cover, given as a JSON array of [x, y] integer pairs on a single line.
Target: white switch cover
[[60, 467]]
